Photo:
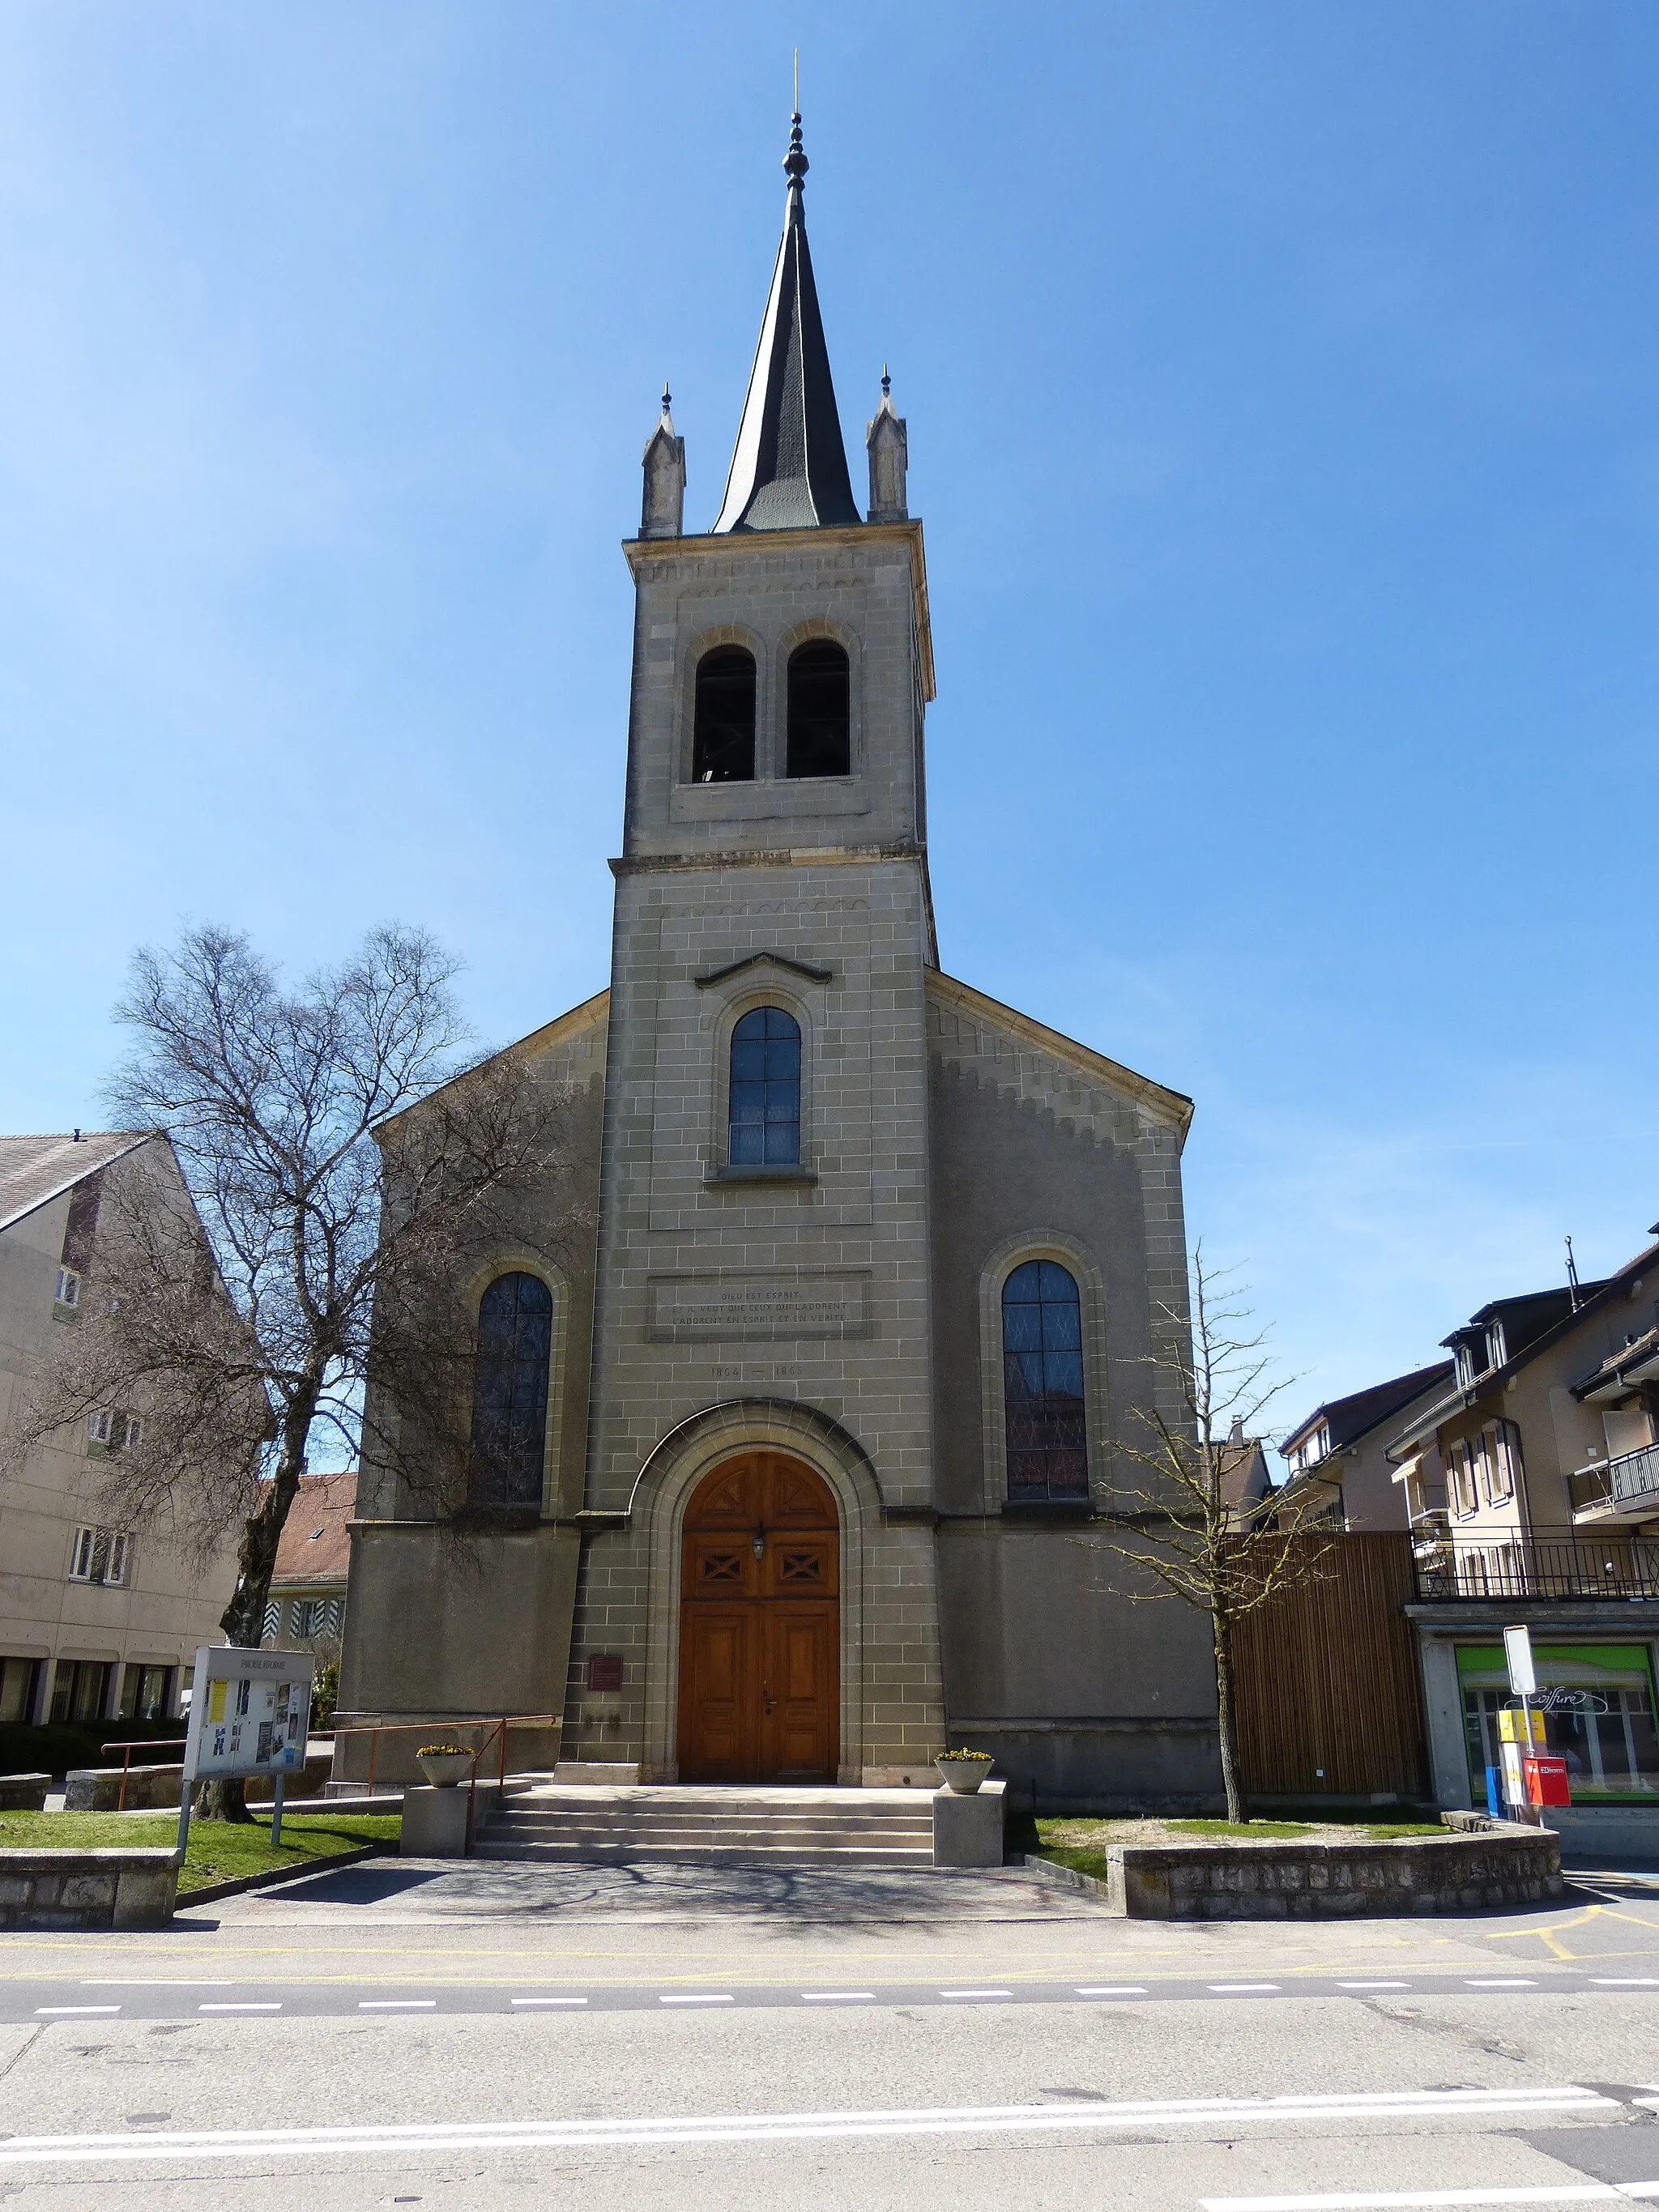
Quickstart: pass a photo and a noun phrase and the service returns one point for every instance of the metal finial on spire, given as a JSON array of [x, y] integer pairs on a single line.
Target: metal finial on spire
[[665, 395], [795, 161], [886, 383]]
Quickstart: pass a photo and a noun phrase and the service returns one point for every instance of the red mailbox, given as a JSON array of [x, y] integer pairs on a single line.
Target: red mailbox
[[1546, 1779]]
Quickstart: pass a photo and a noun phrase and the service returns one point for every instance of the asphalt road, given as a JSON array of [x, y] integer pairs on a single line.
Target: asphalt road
[[500, 2035]]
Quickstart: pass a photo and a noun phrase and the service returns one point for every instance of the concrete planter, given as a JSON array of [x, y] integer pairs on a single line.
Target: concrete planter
[[1504, 1864], [444, 1769], [964, 1775], [87, 1889], [24, 1793]]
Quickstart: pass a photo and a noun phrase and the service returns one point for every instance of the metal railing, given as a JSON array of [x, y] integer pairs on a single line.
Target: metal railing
[[147, 1743], [1545, 1562], [1627, 1479], [493, 1730]]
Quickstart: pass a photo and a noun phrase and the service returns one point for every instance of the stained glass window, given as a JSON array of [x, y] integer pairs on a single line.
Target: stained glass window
[[723, 723], [765, 1100], [820, 709], [509, 1391], [1042, 1384]]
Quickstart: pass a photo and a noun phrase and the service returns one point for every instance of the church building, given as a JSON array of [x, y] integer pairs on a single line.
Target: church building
[[807, 1459]]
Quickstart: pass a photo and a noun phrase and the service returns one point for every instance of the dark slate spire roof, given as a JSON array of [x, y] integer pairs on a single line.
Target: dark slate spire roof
[[789, 471]]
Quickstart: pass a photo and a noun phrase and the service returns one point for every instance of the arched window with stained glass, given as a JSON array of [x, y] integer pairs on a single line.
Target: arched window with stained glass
[[764, 1103], [509, 1392], [1043, 1410]]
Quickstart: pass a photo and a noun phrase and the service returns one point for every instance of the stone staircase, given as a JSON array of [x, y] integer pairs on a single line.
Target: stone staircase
[[838, 1830]]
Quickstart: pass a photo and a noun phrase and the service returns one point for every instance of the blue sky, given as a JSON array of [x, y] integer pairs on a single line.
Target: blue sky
[[1283, 411]]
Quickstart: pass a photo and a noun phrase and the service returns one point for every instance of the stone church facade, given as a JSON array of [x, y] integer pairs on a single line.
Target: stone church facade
[[815, 1451]]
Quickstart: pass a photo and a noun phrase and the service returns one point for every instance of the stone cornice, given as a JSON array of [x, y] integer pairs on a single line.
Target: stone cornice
[[590, 1014], [795, 856], [980, 1022], [641, 553]]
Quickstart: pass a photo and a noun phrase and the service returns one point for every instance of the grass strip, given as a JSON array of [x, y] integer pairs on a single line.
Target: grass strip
[[1062, 1839], [220, 1851]]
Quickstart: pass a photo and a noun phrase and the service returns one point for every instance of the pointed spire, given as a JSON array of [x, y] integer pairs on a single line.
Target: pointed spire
[[789, 470], [888, 456], [662, 510]]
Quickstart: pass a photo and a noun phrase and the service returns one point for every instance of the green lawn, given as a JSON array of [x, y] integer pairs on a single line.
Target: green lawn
[[1081, 1844], [218, 1851]]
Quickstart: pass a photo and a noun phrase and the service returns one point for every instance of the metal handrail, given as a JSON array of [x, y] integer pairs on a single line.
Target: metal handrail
[[145, 1743], [1574, 1562], [1626, 1475], [426, 1727]]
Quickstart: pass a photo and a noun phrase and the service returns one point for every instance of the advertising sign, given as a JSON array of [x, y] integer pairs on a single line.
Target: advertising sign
[[1517, 1650], [250, 1712]]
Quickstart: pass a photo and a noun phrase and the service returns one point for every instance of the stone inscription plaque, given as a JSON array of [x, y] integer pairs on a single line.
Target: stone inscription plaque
[[709, 1308]]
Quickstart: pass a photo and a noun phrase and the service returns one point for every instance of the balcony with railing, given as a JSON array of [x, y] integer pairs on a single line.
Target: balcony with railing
[[1545, 1562], [1618, 1491]]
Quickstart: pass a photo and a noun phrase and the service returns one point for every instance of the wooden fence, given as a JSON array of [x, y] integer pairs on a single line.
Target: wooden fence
[[1327, 1679]]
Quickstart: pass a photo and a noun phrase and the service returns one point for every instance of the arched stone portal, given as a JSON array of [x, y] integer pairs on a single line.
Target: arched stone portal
[[760, 1632]]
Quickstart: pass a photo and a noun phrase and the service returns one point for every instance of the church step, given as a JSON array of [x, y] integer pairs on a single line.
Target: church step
[[751, 1816], [843, 1859], [699, 1838]]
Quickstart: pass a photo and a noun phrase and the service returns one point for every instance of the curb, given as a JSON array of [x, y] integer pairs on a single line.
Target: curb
[[1055, 1876], [272, 1875]]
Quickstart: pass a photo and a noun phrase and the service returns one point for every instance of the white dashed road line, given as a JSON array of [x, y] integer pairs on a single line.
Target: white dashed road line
[[837, 1997], [1243, 1989], [238, 2007], [697, 2000], [396, 2004], [1571, 2192], [74, 2012], [1129, 1989], [527, 2003], [977, 1995]]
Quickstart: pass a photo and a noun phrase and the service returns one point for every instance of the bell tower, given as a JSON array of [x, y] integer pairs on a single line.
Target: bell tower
[[764, 1235]]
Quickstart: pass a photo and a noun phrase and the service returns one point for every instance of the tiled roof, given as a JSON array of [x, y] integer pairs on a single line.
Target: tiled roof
[[315, 1546], [1348, 1419], [1635, 1353], [34, 1169]]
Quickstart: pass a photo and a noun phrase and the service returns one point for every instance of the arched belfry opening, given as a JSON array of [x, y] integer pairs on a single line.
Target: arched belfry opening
[[760, 1624], [723, 717], [820, 735]]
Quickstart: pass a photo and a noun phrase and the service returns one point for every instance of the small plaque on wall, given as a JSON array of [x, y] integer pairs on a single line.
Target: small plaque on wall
[[709, 1308], [605, 1670]]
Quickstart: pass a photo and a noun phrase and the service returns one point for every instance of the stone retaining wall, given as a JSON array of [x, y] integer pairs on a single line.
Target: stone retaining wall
[[97, 1789], [1504, 1864], [87, 1889], [24, 1793]]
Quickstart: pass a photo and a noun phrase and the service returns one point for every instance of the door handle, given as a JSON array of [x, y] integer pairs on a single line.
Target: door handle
[[766, 1697]]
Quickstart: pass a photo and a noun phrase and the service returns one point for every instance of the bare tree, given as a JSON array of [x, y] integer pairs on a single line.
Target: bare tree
[[316, 1221], [1177, 1526]]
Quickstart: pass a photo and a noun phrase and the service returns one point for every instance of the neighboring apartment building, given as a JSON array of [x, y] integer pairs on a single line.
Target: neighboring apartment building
[[96, 1622], [1532, 1490], [305, 1610], [1341, 1449]]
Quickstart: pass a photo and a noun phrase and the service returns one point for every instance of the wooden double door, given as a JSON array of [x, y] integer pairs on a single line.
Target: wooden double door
[[760, 1626]]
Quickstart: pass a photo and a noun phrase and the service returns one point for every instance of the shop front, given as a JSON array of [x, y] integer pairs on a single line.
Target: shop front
[[1597, 1702], [1596, 1693]]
